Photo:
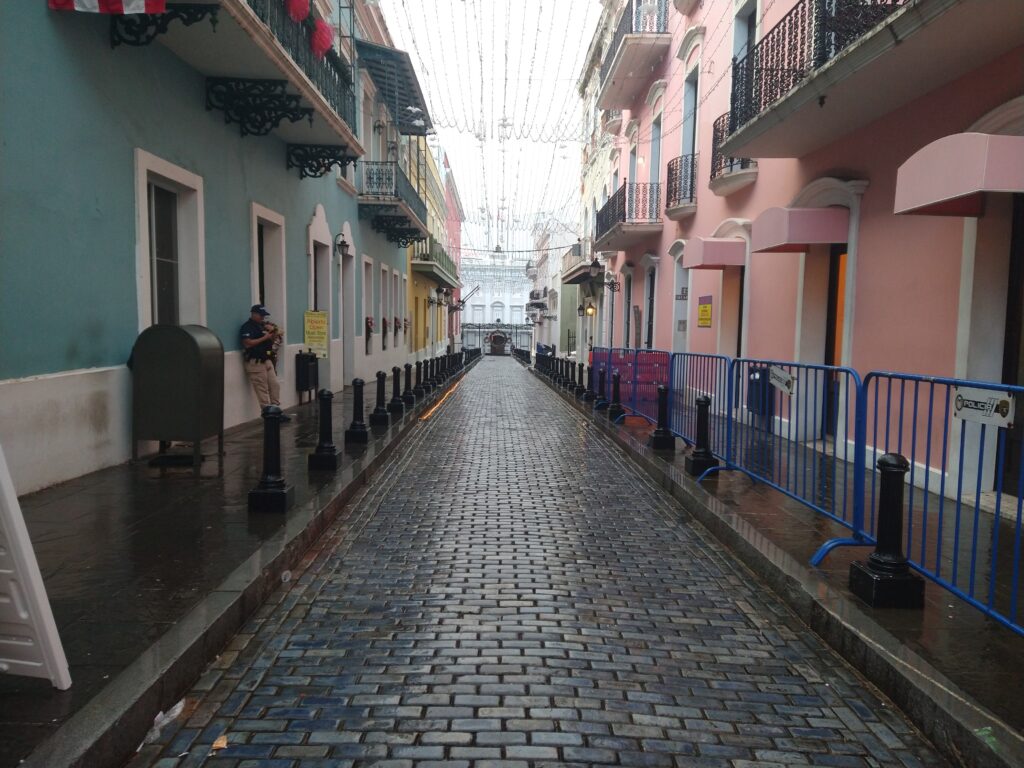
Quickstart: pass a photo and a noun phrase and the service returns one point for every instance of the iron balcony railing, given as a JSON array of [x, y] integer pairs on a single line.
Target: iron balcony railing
[[535, 295], [637, 18], [682, 181], [637, 203], [431, 250], [813, 33], [721, 163], [572, 258], [331, 75], [386, 179]]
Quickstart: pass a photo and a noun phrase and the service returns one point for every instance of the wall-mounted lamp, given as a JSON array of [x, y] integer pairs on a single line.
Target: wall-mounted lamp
[[579, 311], [591, 310], [341, 245]]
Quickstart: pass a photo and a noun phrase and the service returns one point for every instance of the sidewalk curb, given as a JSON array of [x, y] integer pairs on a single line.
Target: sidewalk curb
[[109, 729], [962, 730]]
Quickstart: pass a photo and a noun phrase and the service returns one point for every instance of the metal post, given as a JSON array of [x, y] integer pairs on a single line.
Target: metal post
[[356, 432], [325, 457], [396, 407], [885, 580], [602, 399], [428, 375], [615, 409], [589, 394], [580, 387], [701, 460], [418, 390], [662, 438], [408, 397], [271, 494], [379, 417]]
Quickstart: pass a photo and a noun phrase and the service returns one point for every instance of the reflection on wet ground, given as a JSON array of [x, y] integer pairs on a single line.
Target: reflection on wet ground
[[972, 650], [127, 551]]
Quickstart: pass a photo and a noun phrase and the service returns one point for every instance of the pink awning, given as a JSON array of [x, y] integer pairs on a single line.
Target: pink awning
[[714, 252], [792, 230], [950, 176]]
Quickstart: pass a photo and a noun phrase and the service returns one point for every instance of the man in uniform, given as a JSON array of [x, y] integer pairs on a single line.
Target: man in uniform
[[257, 345]]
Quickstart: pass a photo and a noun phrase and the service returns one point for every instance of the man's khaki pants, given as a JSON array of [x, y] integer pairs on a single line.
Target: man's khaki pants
[[264, 382]]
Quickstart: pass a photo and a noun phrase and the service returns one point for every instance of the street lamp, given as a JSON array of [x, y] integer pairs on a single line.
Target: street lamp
[[579, 311], [341, 245], [595, 269], [591, 310]]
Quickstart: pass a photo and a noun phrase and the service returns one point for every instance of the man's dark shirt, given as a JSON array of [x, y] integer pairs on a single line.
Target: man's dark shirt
[[253, 330]]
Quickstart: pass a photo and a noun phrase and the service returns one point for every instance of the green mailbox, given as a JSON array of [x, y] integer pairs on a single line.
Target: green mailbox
[[178, 387]]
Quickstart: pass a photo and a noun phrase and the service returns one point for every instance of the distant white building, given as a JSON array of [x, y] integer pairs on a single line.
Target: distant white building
[[503, 292]]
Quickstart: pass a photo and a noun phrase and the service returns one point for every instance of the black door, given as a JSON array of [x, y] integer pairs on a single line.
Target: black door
[[834, 336], [1013, 355]]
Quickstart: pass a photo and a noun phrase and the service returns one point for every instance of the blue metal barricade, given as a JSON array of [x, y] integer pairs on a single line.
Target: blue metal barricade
[[651, 369], [965, 489], [794, 427], [695, 375]]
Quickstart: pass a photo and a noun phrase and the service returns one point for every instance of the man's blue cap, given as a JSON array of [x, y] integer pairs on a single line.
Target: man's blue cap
[[261, 309]]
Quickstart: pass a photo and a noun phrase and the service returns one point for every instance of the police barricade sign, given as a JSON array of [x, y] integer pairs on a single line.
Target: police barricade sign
[[29, 643], [983, 406]]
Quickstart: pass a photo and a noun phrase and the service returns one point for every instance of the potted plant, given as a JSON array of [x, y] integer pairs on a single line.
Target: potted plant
[[369, 334]]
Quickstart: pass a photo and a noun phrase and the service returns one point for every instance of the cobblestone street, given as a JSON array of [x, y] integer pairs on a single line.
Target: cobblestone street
[[477, 607]]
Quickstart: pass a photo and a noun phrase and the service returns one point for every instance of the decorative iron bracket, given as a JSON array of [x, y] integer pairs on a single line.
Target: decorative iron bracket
[[314, 160], [140, 29], [397, 229], [258, 106]]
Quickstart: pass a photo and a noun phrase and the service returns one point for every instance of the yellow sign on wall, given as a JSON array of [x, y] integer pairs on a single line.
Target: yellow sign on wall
[[315, 332], [704, 312]]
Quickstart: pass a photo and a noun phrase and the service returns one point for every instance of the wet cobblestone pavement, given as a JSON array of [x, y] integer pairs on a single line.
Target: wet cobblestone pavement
[[511, 591]]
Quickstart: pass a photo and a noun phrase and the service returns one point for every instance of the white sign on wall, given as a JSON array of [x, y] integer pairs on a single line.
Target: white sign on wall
[[984, 406], [29, 643]]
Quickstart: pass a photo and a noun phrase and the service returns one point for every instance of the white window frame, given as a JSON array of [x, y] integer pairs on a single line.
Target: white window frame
[[191, 227]]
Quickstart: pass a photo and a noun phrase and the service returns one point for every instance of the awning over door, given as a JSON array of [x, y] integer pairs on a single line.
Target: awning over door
[[793, 230], [714, 252], [950, 176]]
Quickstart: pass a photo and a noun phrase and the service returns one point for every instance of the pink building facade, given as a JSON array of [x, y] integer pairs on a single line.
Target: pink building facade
[[762, 180]]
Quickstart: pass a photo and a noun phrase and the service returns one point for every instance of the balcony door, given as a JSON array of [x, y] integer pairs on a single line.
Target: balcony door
[[656, 150], [649, 341], [690, 91]]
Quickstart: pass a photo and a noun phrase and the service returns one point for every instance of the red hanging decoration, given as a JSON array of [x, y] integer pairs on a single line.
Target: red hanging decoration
[[322, 38], [297, 9]]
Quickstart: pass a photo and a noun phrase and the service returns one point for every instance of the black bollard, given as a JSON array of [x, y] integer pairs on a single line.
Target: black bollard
[[662, 438], [379, 417], [396, 407], [602, 398], [407, 396], [418, 390], [325, 457], [428, 385], [885, 580], [701, 460], [271, 494], [580, 387], [615, 409], [589, 394], [356, 432], [570, 378]]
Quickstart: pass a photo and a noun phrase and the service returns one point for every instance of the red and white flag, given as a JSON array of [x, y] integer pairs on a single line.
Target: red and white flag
[[110, 6]]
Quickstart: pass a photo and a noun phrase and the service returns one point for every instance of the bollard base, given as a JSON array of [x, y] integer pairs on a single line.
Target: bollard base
[[589, 397], [601, 405], [697, 464], [324, 461], [396, 408], [614, 411], [662, 441], [380, 418], [409, 399], [885, 590], [420, 393], [357, 435], [274, 500]]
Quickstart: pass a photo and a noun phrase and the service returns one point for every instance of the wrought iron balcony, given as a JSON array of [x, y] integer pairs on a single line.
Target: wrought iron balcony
[[681, 196], [728, 174], [632, 214], [640, 41], [809, 36], [331, 75], [429, 256], [611, 121], [388, 198]]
